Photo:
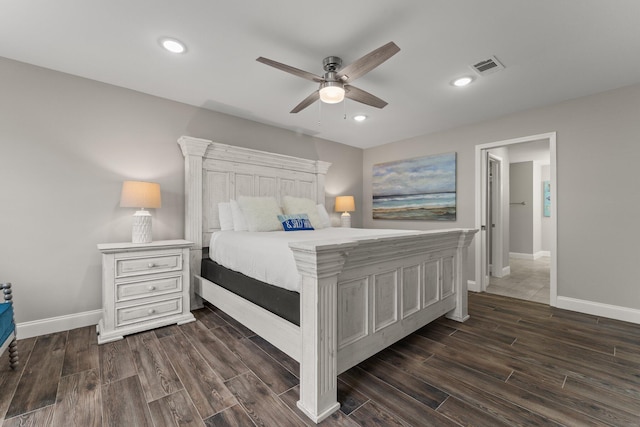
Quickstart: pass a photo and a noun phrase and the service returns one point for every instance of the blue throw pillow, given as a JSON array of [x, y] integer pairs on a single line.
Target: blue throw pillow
[[295, 222]]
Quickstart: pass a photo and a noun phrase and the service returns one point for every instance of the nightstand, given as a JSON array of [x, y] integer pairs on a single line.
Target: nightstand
[[144, 286]]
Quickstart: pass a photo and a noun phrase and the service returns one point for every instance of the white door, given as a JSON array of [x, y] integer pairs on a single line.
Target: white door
[[490, 230]]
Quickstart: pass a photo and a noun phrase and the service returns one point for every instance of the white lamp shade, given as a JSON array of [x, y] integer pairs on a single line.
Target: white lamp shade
[[139, 194], [345, 204]]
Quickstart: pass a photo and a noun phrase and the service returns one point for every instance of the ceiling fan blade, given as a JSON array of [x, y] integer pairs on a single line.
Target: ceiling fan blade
[[360, 95], [307, 101], [368, 62], [292, 70]]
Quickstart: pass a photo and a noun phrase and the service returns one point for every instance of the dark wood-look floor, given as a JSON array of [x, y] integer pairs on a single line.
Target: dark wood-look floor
[[512, 363]]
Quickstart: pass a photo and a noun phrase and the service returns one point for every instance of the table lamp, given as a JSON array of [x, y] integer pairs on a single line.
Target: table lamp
[[345, 204], [139, 194]]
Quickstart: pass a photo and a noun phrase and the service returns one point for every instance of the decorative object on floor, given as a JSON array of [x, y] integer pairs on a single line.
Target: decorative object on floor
[[546, 204], [335, 83], [8, 326], [139, 194], [345, 204], [422, 188]]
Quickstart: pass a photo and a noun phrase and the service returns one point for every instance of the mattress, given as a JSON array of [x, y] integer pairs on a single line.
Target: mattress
[[279, 301], [266, 256]]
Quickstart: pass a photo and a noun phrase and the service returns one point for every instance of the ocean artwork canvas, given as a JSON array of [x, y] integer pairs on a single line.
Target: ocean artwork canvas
[[546, 204], [422, 188]]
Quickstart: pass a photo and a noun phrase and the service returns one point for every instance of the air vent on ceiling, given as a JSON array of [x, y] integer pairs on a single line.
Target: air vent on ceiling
[[487, 66]]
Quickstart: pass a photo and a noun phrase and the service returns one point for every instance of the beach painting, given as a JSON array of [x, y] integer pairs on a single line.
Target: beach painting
[[422, 188], [546, 203]]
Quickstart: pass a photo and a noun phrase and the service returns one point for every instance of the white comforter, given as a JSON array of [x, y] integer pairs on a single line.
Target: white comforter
[[266, 256]]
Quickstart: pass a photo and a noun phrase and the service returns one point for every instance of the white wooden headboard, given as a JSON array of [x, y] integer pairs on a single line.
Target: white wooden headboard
[[217, 172]]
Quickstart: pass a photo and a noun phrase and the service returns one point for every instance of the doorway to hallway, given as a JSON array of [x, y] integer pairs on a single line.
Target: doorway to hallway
[[510, 259]]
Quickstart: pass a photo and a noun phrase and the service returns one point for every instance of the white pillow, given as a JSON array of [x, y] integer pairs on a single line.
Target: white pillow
[[239, 223], [261, 213], [300, 205], [324, 216], [225, 216]]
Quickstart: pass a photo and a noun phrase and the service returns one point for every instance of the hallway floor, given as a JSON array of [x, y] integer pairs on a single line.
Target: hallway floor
[[529, 280]]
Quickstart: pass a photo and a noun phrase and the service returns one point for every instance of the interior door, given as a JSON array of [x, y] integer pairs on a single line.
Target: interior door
[[484, 273], [495, 203], [491, 218]]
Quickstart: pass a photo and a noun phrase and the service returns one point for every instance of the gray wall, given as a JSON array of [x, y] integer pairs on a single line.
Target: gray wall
[[598, 206], [521, 227], [66, 145]]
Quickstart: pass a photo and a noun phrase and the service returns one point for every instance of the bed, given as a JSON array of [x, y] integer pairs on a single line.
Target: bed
[[357, 295]]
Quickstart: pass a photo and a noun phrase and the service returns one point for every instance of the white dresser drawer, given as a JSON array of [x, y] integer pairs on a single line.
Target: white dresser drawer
[[134, 266], [126, 291], [150, 311]]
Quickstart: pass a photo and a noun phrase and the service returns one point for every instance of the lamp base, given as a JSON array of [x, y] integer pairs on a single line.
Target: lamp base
[[141, 231], [345, 220]]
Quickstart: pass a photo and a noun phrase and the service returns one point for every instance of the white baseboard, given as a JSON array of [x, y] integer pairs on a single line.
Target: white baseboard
[[599, 309], [535, 256], [506, 271], [472, 286], [57, 324], [518, 255]]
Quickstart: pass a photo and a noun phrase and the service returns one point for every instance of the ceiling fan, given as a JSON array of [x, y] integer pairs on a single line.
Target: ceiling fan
[[335, 84]]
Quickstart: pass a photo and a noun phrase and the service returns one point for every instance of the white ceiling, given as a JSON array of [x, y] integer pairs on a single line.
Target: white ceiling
[[553, 50]]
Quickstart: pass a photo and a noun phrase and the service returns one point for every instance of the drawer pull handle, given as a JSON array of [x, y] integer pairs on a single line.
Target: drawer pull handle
[[151, 311], [151, 265], [151, 287]]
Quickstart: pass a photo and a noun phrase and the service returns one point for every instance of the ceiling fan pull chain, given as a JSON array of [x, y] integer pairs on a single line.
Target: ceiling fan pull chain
[[319, 113], [344, 102]]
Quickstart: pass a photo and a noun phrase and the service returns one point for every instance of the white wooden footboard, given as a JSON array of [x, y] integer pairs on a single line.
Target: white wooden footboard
[[358, 297]]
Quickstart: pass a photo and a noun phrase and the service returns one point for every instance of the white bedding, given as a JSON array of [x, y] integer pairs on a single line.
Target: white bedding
[[266, 256]]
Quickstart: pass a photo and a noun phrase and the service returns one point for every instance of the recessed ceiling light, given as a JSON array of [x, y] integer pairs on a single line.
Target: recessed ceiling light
[[360, 118], [462, 81], [173, 45]]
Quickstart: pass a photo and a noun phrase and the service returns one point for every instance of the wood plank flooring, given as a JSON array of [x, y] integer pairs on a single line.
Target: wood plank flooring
[[512, 363]]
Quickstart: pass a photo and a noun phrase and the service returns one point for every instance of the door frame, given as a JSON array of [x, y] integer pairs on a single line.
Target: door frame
[[480, 242]]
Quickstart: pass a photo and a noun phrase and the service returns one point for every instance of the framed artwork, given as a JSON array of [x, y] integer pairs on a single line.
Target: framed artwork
[[546, 194], [423, 188]]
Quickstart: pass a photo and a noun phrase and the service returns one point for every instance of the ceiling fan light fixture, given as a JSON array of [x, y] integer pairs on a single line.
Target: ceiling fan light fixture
[[337, 81], [331, 92]]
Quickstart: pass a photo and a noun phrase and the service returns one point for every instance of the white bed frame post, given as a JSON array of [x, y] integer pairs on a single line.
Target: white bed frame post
[[319, 267], [193, 150], [321, 171], [461, 312]]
